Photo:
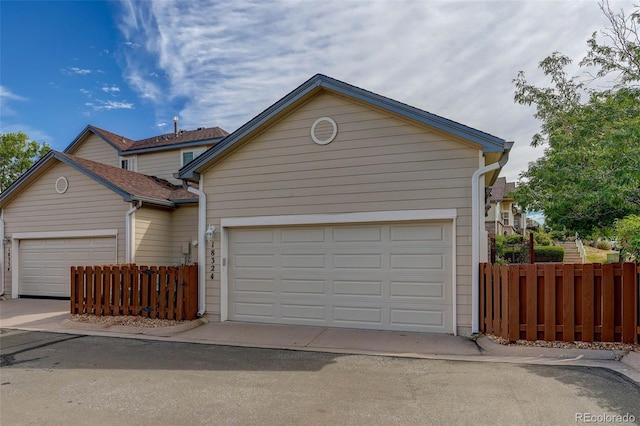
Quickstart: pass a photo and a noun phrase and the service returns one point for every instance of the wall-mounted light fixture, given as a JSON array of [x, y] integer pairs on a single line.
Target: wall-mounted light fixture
[[209, 234]]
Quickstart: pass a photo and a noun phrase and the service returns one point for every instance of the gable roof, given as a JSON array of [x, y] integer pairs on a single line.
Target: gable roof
[[125, 146], [132, 186], [501, 188], [489, 143]]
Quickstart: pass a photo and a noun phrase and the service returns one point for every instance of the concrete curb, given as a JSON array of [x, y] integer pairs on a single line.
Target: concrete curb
[[127, 329], [489, 347]]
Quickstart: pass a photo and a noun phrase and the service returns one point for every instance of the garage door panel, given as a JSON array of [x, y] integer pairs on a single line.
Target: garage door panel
[[428, 292], [44, 264], [417, 262], [357, 234], [353, 316], [381, 276], [303, 312], [254, 261], [303, 287], [357, 261], [357, 288], [254, 285], [417, 318], [304, 261], [303, 235], [256, 310], [417, 233]]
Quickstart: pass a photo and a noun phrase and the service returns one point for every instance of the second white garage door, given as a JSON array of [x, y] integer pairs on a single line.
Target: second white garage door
[[45, 264], [379, 276]]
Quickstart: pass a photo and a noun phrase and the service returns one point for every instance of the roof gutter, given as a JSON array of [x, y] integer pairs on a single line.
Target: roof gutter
[[130, 228], [202, 225], [2, 244], [475, 234]]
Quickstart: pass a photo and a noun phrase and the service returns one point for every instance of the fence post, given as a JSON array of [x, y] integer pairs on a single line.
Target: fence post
[[629, 303], [532, 254], [568, 303]]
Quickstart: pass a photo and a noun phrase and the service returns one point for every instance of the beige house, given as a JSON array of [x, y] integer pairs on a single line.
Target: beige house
[[504, 216], [339, 207], [106, 199], [333, 207]]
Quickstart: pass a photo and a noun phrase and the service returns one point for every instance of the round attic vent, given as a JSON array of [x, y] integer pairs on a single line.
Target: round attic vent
[[324, 130], [62, 184]]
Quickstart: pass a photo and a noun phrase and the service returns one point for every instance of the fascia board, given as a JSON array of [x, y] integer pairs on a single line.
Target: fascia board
[[27, 175], [172, 146], [488, 142], [124, 194], [189, 170], [82, 134]]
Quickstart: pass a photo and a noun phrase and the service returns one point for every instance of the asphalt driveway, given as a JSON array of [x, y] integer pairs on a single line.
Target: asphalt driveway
[[50, 378]]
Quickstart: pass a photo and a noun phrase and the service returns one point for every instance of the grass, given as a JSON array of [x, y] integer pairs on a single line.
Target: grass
[[595, 255]]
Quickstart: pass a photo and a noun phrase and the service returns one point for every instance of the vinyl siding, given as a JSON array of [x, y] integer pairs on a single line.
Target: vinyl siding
[[153, 237], [95, 148], [87, 205], [377, 162], [162, 164], [184, 230]]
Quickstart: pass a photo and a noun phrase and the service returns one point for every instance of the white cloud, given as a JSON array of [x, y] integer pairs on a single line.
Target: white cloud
[[110, 89], [100, 105], [33, 133], [76, 71], [7, 96], [224, 62]]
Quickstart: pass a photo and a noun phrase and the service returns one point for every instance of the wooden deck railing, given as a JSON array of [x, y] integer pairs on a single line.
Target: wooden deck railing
[[565, 302], [164, 292]]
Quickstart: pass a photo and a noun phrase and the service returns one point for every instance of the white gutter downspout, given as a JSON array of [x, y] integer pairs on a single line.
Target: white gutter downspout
[[130, 245], [475, 237], [2, 252], [202, 226]]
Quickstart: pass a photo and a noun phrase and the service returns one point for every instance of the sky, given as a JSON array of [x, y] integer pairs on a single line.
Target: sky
[[131, 66]]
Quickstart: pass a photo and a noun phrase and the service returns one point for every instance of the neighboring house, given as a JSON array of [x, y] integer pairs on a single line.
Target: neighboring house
[[333, 207], [503, 217], [339, 207], [88, 206]]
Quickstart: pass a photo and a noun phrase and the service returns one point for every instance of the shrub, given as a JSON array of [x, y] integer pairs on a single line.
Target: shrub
[[542, 239], [628, 232], [604, 245], [549, 253], [513, 239], [558, 235]]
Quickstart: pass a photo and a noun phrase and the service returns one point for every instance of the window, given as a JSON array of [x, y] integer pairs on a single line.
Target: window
[[128, 163], [505, 218], [189, 155]]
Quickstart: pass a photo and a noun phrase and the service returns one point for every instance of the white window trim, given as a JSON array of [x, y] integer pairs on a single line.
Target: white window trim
[[326, 219], [196, 153], [130, 158], [18, 236]]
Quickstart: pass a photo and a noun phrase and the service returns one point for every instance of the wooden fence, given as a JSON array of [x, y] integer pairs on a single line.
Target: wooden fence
[[164, 292], [563, 302]]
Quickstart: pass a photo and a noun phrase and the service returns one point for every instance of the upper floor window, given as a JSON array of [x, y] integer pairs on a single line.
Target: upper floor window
[[505, 218], [128, 163], [188, 155]]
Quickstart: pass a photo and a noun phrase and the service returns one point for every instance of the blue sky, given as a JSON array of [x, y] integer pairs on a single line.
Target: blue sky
[[130, 66]]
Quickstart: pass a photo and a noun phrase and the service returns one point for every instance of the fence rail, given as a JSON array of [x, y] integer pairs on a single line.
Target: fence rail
[[164, 292], [565, 302]]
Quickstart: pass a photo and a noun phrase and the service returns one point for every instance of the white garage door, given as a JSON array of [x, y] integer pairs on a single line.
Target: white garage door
[[380, 276], [45, 264]]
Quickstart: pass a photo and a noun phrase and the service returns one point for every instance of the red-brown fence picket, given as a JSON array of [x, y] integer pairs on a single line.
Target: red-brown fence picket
[[164, 292], [561, 302]]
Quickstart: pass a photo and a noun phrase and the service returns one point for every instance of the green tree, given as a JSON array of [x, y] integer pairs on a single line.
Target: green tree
[[627, 231], [589, 175], [17, 154]]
